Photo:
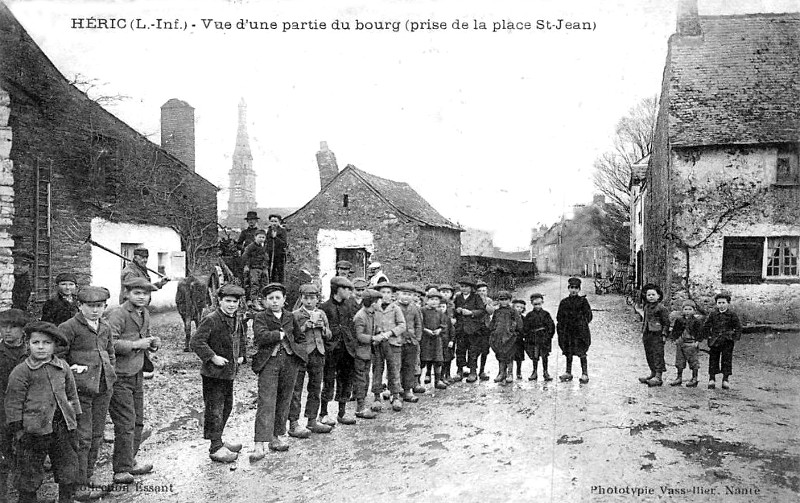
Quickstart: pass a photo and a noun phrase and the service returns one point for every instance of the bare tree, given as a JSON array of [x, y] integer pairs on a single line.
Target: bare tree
[[612, 173], [94, 89]]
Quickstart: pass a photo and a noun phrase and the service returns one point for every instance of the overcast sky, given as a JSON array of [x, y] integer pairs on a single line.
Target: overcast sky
[[497, 130]]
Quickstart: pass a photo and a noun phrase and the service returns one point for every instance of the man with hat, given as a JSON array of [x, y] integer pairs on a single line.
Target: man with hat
[[90, 354], [220, 343], [63, 305], [340, 350], [137, 268], [376, 275], [130, 329], [248, 234], [13, 351], [276, 248], [344, 269], [470, 314]]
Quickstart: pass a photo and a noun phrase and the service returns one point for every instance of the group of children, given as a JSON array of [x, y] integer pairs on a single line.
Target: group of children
[[397, 335]]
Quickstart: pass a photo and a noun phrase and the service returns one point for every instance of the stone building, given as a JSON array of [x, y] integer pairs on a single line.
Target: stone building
[[723, 190], [361, 217], [638, 192], [71, 170]]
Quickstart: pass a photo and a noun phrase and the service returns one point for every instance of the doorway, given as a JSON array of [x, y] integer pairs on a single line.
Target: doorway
[[356, 256]]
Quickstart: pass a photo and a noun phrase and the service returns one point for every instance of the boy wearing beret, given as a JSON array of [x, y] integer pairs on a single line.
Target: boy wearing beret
[[63, 305], [504, 328], [41, 405], [130, 330], [90, 353], [313, 322], [411, 338], [537, 331], [281, 351], [364, 324], [573, 318], [13, 351], [687, 334], [220, 343], [254, 260], [388, 350]]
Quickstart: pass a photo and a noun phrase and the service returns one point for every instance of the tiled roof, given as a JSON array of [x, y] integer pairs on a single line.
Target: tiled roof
[[737, 83]]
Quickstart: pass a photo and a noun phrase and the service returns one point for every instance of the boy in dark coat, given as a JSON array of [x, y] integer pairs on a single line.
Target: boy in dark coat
[[411, 339], [90, 354], [504, 329], [573, 318], [220, 343], [538, 329], [339, 351], [470, 313], [63, 305], [41, 405], [316, 330], [723, 329], [13, 351], [687, 334], [434, 324], [281, 352], [255, 263], [276, 248], [449, 334], [519, 352], [366, 335], [655, 330]]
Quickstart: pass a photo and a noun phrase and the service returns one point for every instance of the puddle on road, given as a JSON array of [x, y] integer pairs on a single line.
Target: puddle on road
[[652, 425], [567, 439], [183, 422], [781, 468]]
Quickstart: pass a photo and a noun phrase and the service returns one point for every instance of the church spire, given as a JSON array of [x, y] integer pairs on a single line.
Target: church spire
[[242, 190], [242, 149]]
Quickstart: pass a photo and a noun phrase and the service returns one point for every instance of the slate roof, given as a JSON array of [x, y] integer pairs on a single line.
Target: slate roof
[[737, 83]]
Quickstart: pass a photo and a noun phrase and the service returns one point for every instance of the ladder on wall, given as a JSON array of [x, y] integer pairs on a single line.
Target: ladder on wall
[[42, 251]]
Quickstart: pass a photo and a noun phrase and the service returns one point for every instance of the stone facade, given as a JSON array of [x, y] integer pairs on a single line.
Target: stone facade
[[353, 213], [6, 202], [98, 167]]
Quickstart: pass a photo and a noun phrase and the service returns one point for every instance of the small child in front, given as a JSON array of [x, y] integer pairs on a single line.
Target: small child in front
[[723, 329], [434, 323], [655, 330], [519, 354], [573, 318], [504, 329], [41, 408], [538, 329], [687, 334]]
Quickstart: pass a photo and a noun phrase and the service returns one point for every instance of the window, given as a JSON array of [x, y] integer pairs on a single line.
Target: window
[[786, 169], [162, 262], [741, 259], [782, 256], [345, 200]]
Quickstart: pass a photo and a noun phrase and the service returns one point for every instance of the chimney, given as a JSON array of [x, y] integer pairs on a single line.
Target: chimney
[[688, 19], [177, 130], [326, 161]]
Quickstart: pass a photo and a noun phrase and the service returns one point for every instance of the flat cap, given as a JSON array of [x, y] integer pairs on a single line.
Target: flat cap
[[230, 290], [689, 303], [360, 283], [309, 289], [66, 276], [537, 295], [140, 283], [434, 293], [341, 282], [481, 283], [574, 282], [503, 294], [343, 264], [374, 265], [260, 231], [273, 287], [446, 286], [519, 301], [14, 317], [406, 287], [142, 252], [369, 293], [386, 284], [44, 327], [467, 281], [93, 294]]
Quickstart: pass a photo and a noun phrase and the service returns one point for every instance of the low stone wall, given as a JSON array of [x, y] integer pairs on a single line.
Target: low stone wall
[[498, 273]]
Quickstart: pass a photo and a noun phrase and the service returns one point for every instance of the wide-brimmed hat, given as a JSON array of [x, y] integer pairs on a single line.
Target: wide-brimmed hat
[[252, 215]]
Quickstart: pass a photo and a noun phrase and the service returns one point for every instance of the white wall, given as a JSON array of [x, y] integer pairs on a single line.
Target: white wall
[[106, 268], [328, 240]]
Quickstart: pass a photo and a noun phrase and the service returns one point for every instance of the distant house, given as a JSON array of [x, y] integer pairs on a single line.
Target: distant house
[[723, 188], [71, 170], [360, 217], [638, 191]]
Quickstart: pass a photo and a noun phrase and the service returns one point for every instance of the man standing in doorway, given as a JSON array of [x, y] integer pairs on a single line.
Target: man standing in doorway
[[137, 268], [276, 248]]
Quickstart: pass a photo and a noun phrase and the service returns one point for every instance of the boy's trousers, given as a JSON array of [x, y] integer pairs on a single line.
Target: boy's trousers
[[91, 425], [275, 389], [461, 350], [218, 400], [32, 449], [722, 352], [476, 345], [391, 356], [654, 351], [409, 364], [686, 352], [315, 367], [338, 374], [127, 413], [256, 276], [360, 378]]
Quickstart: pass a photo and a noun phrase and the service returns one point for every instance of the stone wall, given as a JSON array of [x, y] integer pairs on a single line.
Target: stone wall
[[6, 202], [499, 274]]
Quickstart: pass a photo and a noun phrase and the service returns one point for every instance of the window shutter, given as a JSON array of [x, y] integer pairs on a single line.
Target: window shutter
[[742, 258]]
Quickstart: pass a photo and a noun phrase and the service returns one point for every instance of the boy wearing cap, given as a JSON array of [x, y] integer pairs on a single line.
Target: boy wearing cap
[[687, 334], [41, 405], [519, 351], [63, 305], [254, 260], [484, 345], [376, 275], [314, 324], [723, 329], [339, 350], [573, 318], [448, 335], [281, 352], [13, 351], [470, 313], [359, 286], [220, 343], [366, 336], [410, 339], [537, 331], [504, 328], [344, 269], [434, 324], [130, 330], [90, 353], [390, 325]]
